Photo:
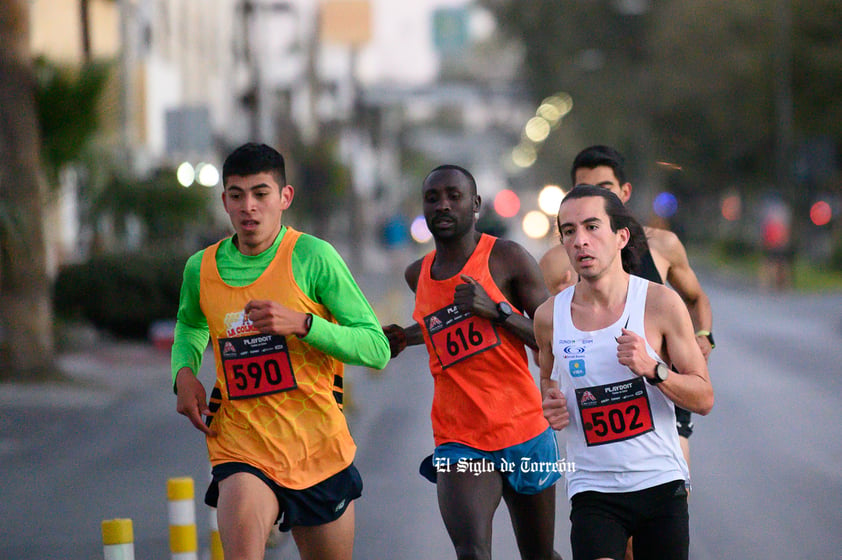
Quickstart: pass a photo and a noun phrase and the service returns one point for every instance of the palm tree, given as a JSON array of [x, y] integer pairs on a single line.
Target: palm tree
[[26, 315]]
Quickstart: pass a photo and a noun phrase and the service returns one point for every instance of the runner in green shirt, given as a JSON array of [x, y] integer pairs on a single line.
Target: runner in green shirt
[[282, 313], [322, 275]]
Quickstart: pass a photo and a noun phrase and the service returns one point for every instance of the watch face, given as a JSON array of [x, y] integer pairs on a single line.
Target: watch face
[[504, 311], [661, 372]]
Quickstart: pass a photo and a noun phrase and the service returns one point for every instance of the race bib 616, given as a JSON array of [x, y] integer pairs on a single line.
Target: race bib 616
[[456, 336]]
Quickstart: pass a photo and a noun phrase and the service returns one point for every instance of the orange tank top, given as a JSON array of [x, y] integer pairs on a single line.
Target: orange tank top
[[485, 396], [273, 400]]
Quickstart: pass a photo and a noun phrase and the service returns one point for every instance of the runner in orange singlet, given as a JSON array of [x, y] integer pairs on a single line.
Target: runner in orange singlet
[[474, 298]]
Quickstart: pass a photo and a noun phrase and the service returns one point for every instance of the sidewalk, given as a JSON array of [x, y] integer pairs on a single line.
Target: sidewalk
[[101, 369], [98, 376]]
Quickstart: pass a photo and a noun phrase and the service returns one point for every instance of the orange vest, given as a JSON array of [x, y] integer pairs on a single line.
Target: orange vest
[[485, 396], [276, 408]]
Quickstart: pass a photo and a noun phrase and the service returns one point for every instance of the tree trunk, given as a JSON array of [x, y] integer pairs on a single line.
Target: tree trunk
[[26, 316]]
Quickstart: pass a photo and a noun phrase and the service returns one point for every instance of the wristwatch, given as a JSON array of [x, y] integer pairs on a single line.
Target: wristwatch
[[504, 311], [661, 374], [308, 324], [709, 336]]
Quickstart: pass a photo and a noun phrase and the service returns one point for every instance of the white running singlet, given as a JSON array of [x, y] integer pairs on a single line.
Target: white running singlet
[[622, 435]]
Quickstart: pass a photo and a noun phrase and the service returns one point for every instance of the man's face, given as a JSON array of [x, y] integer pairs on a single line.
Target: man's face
[[255, 204], [603, 176], [449, 204], [586, 235]]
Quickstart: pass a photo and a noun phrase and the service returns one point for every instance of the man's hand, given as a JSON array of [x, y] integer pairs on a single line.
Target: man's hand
[[396, 335], [270, 317], [704, 346], [631, 352], [471, 296], [192, 400], [555, 409]]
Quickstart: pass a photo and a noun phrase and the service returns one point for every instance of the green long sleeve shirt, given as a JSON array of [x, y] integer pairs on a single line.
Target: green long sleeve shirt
[[357, 338]]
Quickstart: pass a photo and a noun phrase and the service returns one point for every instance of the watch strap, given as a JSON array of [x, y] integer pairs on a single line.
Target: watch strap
[[655, 380], [708, 335], [308, 324]]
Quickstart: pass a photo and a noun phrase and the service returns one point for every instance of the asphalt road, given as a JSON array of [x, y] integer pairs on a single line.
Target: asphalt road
[[765, 467]]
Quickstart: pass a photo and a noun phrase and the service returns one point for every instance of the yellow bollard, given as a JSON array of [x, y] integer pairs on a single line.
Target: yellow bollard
[[117, 539], [182, 514], [215, 542]]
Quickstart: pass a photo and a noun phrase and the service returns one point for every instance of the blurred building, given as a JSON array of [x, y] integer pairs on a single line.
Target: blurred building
[[196, 77]]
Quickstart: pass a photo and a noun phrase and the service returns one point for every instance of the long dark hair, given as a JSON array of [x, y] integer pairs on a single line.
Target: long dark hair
[[620, 218]]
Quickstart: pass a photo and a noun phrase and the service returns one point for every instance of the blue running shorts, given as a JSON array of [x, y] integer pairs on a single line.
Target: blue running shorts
[[529, 467]]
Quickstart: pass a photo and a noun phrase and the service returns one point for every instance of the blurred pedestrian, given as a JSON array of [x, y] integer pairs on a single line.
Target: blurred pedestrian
[[474, 296], [616, 353], [778, 253], [282, 313]]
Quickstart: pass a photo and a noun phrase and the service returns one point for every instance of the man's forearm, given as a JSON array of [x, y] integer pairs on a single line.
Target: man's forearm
[[361, 344], [414, 336], [701, 312], [522, 327], [189, 344]]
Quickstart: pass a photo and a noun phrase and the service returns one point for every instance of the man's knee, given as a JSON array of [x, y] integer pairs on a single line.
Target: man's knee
[[472, 551]]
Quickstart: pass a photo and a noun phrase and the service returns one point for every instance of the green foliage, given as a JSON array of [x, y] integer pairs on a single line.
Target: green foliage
[[816, 72], [736, 249], [166, 208], [68, 110], [835, 262], [121, 294], [688, 81], [321, 183]]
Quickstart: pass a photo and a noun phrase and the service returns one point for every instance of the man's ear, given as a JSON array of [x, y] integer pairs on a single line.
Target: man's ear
[[477, 203], [224, 200], [287, 194], [625, 236], [625, 192]]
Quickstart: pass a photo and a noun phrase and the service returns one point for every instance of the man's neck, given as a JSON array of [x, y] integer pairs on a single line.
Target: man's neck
[[452, 254], [250, 251], [458, 249], [598, 303], [608, 291]]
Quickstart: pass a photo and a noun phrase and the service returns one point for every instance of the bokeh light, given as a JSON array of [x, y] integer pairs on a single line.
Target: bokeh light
[[561, 101], [535, 224], [549, 112], [537, 129], [207, 174], [549, 199], [665, 205], [507, 203], [821, 213], [524, 156], [185, 174], [419, 231], [732, 208]]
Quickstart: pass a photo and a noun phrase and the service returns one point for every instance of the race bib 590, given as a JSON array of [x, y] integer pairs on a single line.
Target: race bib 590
[[256, 365]]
